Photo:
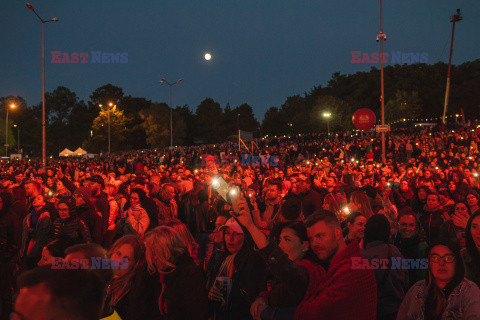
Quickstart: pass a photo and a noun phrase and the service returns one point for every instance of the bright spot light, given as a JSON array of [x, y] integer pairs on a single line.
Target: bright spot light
[[215, 182], [208, 56], [233, 192]]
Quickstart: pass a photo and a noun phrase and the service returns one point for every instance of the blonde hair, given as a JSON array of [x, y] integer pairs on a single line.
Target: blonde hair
[[185, 235], [163, 246], [361, 198]]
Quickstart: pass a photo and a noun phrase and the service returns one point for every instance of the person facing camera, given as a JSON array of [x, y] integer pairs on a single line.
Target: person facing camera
[[444, 292]]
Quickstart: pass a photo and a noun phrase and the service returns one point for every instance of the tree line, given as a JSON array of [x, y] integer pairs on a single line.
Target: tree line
[[415, 90]]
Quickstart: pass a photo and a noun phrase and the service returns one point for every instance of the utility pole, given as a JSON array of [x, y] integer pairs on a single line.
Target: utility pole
[[382, 37]]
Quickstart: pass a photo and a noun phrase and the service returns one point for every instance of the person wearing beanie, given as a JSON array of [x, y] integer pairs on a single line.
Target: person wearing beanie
[[444, 292], [392, 282], [68, 225]]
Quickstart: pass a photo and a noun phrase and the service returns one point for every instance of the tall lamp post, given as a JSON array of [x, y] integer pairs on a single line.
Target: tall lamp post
[[111, 107], [12, 106], [456, 17], [171, 107], [382, 37], [18, 138], [327, 116], [44, 143]]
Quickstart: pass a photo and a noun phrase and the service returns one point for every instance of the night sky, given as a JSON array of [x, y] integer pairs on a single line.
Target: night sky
[[262, 51]]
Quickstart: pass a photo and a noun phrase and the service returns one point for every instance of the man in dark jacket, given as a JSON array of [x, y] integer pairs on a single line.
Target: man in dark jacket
[[311, 199], [99, 200], [85, 210]]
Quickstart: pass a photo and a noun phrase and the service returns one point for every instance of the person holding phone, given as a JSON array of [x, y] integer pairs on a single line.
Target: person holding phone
[[239, 265]]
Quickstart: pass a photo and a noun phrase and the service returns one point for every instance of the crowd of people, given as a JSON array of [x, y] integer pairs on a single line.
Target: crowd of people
[[329, 231]]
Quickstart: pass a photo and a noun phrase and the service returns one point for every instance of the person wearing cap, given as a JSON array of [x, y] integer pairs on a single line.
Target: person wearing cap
[[445, 293], [240, 263], [100, 201]]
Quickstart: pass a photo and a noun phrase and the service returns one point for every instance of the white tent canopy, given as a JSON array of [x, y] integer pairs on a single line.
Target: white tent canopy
[[79, 152], [66, 153]]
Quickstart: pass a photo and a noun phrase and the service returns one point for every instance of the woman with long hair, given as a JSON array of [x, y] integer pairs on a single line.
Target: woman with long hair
[[471, 253], [444, 292], [124, 292], [235, 275], [136, 219], [335, 203], [179, 283], [186, 237], [359, 201], [279, 300], [420, 199]]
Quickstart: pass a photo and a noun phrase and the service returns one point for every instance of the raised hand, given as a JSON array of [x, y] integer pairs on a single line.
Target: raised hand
[[460, 220], [241, 211]]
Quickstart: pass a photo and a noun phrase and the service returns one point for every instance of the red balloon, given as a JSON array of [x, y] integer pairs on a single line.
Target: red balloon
[[364, 119]]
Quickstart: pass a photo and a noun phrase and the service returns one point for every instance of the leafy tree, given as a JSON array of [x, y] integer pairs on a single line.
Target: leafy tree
[[275, 122], [80, 123], [136, 137], [156, 123], [209, 116], [186, 116], [59, 104], [403, 105], [99, 140], [105, 95], [246, 118], [16, 116], [340, 114]]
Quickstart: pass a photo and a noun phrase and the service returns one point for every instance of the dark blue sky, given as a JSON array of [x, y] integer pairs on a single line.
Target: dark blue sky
[[263, 51]]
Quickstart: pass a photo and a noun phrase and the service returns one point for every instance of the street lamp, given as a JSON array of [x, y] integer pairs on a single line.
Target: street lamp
[[12, 106], [455, 18], [111, 107], [44, 143], [327, 116], [171, 107], [18, 138]]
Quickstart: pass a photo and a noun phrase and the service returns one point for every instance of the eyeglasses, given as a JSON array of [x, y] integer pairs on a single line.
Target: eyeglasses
[[449, 258]]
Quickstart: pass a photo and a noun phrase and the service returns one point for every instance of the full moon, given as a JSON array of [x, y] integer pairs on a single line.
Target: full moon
[[208, 56]]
